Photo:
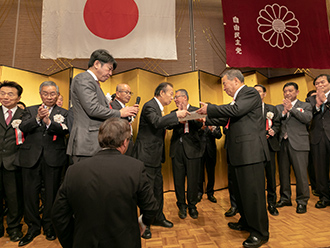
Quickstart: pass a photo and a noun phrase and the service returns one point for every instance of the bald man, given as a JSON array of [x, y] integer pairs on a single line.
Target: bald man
[[123, 96]]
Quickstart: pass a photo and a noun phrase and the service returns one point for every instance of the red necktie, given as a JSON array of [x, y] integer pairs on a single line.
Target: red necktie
[[9, 117], [227, 126]]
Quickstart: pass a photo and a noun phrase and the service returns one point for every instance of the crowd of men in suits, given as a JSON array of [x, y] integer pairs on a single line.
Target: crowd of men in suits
[[35, 147]]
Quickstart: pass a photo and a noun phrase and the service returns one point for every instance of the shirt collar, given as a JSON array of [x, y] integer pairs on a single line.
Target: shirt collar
[[159, 104], [13, 110], [294, 102], [235, 95], [327, 94], [121, 104], [93, 75]]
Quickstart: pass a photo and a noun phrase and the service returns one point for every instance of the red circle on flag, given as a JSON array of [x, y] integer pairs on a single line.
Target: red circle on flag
[[111, 19]]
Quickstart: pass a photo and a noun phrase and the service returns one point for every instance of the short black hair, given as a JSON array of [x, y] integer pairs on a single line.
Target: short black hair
[[103, 56], [261, 86], [162, 87], [291, 84], [322, 75], [310, 93], [12, 84], [22, 103]]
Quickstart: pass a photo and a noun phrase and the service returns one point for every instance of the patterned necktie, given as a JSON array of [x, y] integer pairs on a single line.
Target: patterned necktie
[[8, 119]]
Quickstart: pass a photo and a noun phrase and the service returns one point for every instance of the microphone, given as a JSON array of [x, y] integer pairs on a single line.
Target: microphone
[[138, 99]]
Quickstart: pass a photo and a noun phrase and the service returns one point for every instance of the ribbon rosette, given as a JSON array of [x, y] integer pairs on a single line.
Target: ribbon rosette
[[18, 133], [59, 119], [301, 110], [270, 115], [269, 123]]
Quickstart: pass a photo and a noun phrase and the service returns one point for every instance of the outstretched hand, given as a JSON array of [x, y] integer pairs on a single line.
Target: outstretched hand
[[203, 109]]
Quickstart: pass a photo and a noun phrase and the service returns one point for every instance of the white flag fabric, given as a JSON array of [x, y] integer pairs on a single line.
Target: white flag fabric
[[126, 28]]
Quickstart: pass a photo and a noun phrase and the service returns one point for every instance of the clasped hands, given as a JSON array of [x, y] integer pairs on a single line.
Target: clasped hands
[[43, 114]]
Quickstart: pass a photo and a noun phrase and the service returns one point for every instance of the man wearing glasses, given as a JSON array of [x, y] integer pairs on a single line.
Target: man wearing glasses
[[42, 157], [123, 96]]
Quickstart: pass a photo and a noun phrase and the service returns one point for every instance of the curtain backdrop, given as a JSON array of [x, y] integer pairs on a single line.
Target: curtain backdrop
[[278, 34]]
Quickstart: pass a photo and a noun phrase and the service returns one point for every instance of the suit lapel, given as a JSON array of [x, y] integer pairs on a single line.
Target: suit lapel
[[54, 112], [155, 103], [18, 114], [266, 109], [2, 118]]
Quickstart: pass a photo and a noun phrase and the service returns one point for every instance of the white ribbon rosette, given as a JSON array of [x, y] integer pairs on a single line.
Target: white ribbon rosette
[[301, 110], [18, 133], [269, 116], [60, 119]]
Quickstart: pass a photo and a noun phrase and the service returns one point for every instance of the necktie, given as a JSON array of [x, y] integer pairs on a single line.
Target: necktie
[[9, 117], [227, 126], [322, 107]]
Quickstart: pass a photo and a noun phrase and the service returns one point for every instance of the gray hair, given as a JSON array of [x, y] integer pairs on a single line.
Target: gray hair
[[184, 92], [49, 83], [231, 74]]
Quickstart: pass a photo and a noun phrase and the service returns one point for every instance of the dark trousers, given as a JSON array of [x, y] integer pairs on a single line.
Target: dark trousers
[[32, 182], [311, 170], [270, 170], [249, 191], [183, 166], [321, 160], [299, 161], [209, 163], [155, 177], [231, 188], [11, 190]]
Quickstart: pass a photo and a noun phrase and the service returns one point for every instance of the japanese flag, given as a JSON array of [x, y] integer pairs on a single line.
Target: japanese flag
[[127, 28]]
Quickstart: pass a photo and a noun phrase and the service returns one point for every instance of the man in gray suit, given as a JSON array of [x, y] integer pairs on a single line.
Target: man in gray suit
[[91, 107], [294, 142]]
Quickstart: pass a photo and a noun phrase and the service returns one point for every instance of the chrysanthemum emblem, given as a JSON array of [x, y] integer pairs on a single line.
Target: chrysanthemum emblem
[[278, 26]]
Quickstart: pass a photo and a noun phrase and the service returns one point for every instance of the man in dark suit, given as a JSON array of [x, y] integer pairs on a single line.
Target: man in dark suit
[[91, 107], [272, 120], [209, 160], [10, 175], [186, 151], [247, 152], [294, 147], [149, 145], [117, 183], [123, 96], [42, 157], [320, 137]]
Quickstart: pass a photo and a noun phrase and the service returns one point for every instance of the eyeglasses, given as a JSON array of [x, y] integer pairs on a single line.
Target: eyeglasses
[[176, 97], [127, 92]]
